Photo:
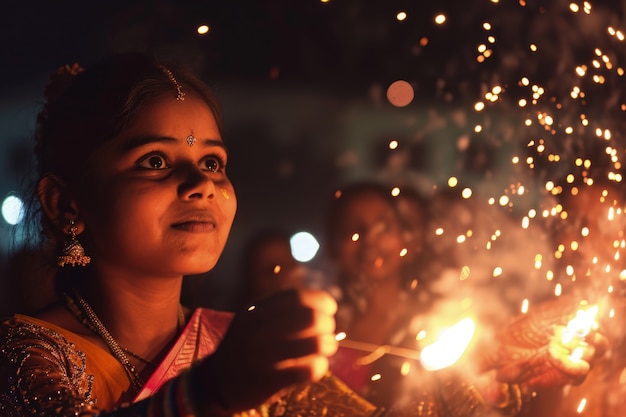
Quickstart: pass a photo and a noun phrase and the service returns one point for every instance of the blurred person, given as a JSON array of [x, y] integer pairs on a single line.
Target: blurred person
[[367, 237], [380, 306], [269, 266]]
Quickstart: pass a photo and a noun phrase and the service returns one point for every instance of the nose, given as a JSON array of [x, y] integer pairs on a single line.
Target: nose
[[196, 183]]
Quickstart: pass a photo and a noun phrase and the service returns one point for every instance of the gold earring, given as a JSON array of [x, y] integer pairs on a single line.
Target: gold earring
[[73, 251]]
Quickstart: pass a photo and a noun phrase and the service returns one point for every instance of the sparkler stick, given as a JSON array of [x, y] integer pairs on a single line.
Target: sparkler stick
[[381, 349], [440, 354]]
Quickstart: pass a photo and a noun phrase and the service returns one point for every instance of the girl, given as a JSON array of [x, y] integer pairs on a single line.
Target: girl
[[134, 194]]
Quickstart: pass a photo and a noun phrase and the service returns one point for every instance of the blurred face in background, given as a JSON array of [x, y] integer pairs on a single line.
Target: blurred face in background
[[368, 239], [272, 267]]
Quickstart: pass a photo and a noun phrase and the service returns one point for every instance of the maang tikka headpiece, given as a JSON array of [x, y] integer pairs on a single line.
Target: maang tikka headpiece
[[180, 94]]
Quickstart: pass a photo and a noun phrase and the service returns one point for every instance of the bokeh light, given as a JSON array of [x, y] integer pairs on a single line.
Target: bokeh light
[[400, 93], [12, 209], [304, 246]]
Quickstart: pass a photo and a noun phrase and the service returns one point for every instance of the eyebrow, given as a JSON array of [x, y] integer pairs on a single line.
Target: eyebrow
[[138, 141]]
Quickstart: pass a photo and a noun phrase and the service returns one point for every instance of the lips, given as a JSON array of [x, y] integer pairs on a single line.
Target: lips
[[196, 224], [196, 227]]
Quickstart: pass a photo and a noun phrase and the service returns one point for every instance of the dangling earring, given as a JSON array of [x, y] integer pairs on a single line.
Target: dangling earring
[[73, 251]]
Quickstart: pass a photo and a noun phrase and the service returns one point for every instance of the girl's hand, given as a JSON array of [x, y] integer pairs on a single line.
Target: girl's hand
[[282, 340]]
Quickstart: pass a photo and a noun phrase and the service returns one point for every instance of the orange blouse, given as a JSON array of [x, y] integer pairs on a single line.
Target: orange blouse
[[40, 360], [47, 371]]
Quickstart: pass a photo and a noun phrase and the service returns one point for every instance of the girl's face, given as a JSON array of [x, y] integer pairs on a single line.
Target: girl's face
[[369, 241], [154, 204]]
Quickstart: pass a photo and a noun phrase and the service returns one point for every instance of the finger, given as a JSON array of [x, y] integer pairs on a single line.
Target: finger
[[324, 345], [292, 323], [293, 299], [600, 342], [565, 362], [321, 301], [311, 368], [322, 324]]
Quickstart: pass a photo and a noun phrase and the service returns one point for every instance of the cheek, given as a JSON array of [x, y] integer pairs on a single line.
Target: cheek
[[98, 212], [228, 202], [127, 217]]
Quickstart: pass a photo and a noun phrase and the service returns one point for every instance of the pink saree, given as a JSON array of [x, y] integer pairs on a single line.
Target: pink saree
[[201, 336]]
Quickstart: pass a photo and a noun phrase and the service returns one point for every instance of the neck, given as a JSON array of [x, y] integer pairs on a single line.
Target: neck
[[141, 314]]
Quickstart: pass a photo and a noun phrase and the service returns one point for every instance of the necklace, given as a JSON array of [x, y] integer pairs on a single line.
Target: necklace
[[139, 357], [79, 307]]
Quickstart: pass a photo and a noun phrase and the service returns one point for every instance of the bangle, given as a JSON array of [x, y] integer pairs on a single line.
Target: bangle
[[463, 399], [172, 399]]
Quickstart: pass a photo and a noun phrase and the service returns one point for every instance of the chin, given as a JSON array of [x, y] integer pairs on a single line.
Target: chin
[[198, 259], [201, 269]]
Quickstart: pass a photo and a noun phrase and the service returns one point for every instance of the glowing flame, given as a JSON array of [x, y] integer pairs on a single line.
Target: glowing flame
[[580, 326], [583, 322], [449, 347]]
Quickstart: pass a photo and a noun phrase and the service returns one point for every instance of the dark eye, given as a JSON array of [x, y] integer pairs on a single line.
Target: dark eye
[[212, 163], [153, 162]]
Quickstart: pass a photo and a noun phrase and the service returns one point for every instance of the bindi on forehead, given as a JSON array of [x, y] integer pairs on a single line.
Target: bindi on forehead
[[191, 139]]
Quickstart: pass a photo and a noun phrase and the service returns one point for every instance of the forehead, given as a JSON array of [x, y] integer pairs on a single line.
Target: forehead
[[167, 114], [164, 122], [366, 205]]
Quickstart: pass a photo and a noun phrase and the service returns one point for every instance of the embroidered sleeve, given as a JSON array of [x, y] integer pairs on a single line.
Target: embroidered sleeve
[[41, 374]]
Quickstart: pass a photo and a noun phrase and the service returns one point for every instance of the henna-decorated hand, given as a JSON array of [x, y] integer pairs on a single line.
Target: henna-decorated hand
[[533, 351], [554, 364]]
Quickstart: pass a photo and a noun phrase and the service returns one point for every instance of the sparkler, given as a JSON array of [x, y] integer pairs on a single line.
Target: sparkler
[[568, 122], [578, 328], [450, 346], [442, 353], [582, 324]]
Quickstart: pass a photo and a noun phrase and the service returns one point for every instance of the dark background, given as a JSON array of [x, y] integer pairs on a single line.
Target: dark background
[[302, 84]]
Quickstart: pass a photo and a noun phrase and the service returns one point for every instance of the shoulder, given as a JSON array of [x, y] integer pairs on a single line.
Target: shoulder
[[59, 316], [34, 353], [24, 335], [30, 344]]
